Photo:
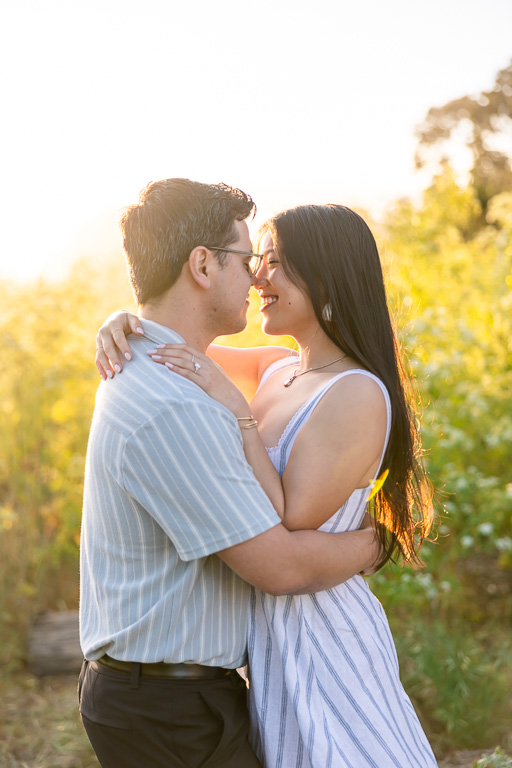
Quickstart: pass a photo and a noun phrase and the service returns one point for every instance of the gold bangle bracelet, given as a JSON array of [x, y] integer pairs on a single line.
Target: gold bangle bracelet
[[245, 418], [253, 423]]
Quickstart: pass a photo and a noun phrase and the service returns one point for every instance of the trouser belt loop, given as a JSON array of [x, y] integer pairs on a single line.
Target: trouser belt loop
[[134, 675]]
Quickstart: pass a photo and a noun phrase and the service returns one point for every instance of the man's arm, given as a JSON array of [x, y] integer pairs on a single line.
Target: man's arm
[[187, 469], [283, 562]]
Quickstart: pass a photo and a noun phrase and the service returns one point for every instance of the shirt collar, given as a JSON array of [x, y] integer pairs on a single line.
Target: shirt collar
[[159, 334]]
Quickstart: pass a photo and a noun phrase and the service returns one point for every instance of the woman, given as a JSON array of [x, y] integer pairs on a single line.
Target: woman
[[325, 687]]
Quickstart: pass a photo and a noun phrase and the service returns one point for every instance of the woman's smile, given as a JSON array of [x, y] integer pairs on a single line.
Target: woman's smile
[[266, 301]]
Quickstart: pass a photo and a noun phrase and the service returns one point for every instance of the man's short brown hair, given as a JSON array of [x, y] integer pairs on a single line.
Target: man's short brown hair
[[171, 218]]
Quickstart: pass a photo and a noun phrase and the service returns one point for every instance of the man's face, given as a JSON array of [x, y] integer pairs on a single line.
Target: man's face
[[231, 285]]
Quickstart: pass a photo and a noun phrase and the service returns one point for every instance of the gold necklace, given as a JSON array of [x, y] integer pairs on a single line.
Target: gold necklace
[[298, 373]]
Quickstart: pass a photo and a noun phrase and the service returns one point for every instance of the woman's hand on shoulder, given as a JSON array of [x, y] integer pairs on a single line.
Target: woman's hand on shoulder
[[203, 371], [112, 347]]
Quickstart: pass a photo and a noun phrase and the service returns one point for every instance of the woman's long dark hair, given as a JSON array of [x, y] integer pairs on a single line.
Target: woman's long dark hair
[[330, 251]]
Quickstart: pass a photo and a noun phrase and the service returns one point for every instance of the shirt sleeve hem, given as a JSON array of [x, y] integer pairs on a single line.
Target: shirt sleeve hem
[[210, 548]]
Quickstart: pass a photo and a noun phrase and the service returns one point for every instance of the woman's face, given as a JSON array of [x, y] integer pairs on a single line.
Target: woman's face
[[285, 308]]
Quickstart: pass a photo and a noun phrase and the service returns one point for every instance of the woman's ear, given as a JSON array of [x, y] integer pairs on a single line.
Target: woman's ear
[[199, 263]]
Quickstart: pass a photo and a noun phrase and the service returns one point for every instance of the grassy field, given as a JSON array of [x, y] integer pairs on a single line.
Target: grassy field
[[39, 724], [40, 728]]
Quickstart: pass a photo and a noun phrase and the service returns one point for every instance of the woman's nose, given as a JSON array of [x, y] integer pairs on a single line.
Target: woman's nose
[[260, 278]]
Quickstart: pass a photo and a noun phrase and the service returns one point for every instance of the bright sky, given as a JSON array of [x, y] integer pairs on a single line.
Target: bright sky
[[292, 101]]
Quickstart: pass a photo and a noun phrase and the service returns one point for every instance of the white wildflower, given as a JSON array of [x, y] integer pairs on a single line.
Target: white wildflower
[[485, 529]]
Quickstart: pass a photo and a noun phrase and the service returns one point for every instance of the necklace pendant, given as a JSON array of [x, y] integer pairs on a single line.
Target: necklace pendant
[[308, 370]]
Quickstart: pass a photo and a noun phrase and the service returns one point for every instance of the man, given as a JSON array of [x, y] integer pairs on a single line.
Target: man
[[167, 486]]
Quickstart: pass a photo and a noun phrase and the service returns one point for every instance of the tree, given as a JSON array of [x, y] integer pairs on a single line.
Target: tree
[[484, 122]]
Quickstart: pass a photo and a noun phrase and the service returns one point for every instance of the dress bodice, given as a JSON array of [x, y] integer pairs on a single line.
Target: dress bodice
[[350, 515]]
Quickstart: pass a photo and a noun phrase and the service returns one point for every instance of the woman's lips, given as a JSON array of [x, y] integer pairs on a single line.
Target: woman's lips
[[266, 302]]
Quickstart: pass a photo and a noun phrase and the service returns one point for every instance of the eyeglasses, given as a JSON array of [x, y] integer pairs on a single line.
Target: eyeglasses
[[255, 259]]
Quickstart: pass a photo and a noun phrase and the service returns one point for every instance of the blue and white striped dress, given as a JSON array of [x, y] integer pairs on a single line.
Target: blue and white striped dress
[[325, 690]]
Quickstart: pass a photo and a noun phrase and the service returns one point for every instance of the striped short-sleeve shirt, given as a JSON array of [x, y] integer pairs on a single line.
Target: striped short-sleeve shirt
[[166, 487]]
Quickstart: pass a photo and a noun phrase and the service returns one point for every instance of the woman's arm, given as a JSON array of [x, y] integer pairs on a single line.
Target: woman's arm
[[337, 451], [244, 366], [203, 371], [265, 472]]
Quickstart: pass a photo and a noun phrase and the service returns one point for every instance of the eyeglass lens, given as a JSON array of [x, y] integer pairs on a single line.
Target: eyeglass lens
[[254, 264]]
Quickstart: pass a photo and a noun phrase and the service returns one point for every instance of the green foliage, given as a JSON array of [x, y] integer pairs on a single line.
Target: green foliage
[[47, 387], [498, 759], [458, 679], [450, 286], [456, 325]]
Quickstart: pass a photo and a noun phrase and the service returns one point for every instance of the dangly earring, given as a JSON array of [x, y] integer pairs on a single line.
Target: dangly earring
[[327, 312]]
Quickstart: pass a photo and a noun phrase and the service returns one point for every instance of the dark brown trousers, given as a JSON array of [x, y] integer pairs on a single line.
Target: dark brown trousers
[[143, 722]]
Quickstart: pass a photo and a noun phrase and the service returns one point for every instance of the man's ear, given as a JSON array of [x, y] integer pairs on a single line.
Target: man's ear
[[199, 264]]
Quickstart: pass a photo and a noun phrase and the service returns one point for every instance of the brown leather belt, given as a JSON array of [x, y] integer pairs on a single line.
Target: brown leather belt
[[161, 669]]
